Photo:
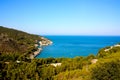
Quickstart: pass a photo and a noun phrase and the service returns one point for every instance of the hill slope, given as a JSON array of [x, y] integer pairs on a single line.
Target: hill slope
[[15, 64], [18, 42], [107, 67]]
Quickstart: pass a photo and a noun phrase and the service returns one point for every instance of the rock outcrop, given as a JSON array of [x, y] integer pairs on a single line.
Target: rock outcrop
[[38, 45], [44, 42]]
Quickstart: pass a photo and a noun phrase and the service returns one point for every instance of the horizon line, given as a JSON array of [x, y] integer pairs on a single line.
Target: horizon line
[[75, 35]]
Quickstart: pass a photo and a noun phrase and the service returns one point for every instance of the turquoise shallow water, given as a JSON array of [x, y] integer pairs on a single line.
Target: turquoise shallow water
[[72, 46]]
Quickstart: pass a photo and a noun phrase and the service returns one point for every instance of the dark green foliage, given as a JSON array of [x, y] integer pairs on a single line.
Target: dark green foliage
[[77, 74], [15, 64], [16, 41], [14, 70], [102, 53], [39, 68], [9, 56], [106, 70]]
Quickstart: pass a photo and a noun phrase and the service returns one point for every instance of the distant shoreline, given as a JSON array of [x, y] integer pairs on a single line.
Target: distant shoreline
[[87, 35], [72, 46], [38, 45]]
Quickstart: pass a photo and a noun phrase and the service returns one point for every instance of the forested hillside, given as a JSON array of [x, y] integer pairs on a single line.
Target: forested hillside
[[15, 64], [17, 44], [16, 41], [106, 66]]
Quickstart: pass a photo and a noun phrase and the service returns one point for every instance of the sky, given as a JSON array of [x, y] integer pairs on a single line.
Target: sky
[[62, 17]]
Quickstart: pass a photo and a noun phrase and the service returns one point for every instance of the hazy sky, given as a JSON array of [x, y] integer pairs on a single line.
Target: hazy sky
[[62, 17]]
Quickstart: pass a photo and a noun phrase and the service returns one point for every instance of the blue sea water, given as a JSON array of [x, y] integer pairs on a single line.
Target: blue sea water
[[72, 46]]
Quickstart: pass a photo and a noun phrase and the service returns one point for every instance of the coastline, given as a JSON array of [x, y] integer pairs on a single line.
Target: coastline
[[38, 45], [72, 46]]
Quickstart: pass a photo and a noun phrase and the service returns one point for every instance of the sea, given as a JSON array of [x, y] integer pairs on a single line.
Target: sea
[[73, 46]]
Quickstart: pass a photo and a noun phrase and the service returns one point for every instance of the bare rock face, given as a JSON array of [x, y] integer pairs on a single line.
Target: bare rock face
[[93, 61], [45, 42], [42, 42], [56, 64]]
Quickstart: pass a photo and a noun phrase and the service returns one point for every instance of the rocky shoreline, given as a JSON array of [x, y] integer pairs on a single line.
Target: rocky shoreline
[[39, 44]]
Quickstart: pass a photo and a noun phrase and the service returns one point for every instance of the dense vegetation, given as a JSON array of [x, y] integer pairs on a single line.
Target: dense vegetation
[[15, 64], [106, 68], [17, 43]]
